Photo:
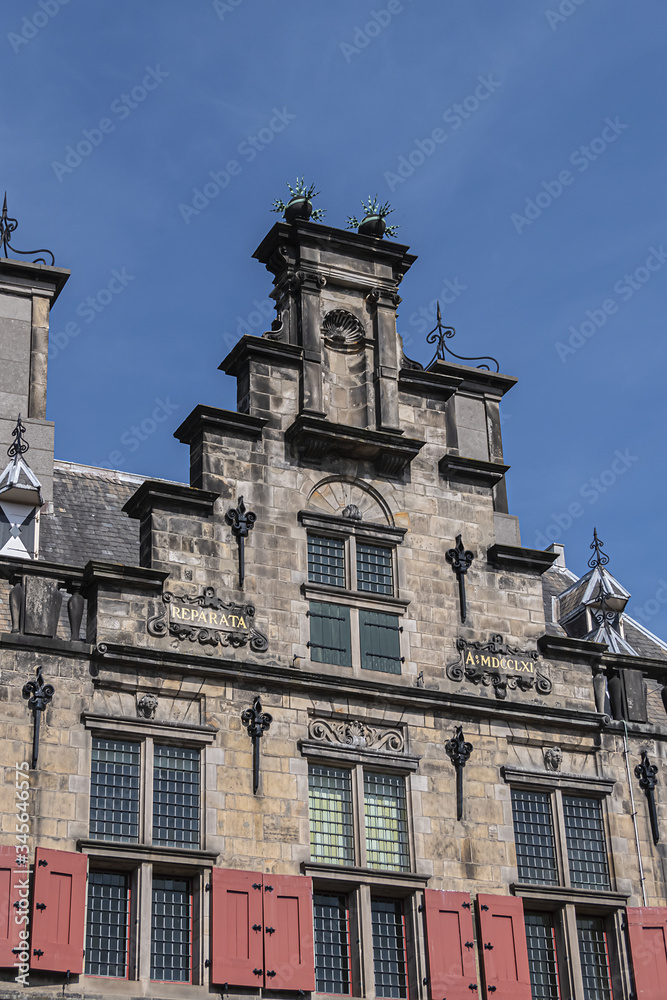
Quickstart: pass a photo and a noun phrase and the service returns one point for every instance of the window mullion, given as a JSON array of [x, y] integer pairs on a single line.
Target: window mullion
[[355, 638], [561, 839], [147, 806], [572, 952], [143, 925], [351, 568], [359, 817], [365, 920]]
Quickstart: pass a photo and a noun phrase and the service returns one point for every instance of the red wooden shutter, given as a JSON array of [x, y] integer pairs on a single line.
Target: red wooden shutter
[[647, 930], [288, 932], [237, 946], [12, 878], [58, 911], [450, 941], [503, 947]]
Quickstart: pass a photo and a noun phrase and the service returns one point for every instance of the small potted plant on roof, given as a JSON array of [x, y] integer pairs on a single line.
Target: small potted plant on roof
[[300, 205], [374, 221]]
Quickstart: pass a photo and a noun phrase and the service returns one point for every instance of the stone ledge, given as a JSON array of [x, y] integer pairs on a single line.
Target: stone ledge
[[399, 761], [315, 438], [602, 899], [226, 423], [148, 852], [592, 785], [474, 471], [172, 497], [515, 558], [187, 734], [408, 881]]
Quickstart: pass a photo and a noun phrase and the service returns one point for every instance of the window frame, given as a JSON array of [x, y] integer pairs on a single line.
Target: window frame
[[565, 902], [143, 861], [349, 596]]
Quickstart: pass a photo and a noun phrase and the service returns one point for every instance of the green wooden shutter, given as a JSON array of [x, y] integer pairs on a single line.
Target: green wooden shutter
[[330, 640], [380, 642]]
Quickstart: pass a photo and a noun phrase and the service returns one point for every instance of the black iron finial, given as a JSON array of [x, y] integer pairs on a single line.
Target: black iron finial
[[256, 722], [647, 774], [242, 521], [9, 226], [460, 559], [18, 445], [459, 752], [440, 334], [599, 558], [39, 696]]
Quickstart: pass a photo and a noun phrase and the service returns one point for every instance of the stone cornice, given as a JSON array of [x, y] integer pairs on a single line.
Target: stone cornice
[[272, 352], [476, 471], [564, 647], [517, 559], [131, 576], [39, 279], [432, 384], [176, 498], [476, 380], [186, 733], [148, 852], [591, 784], [314, 438], [225, 423]]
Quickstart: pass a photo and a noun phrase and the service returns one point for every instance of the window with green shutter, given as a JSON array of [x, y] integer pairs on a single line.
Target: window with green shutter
[[379, 636], [330, 639]]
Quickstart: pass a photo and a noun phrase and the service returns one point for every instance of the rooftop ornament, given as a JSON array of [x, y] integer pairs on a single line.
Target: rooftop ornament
[[18, 445], [373, 222], [300, 205], [599, 558], [440, 334], [7, 227]]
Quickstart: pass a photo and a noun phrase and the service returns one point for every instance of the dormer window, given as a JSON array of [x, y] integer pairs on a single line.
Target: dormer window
[[20, 501]]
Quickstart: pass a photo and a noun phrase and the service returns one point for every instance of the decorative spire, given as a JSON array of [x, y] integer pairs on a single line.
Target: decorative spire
[[599, 558], [7, 227], [440, 334], [18, 445]]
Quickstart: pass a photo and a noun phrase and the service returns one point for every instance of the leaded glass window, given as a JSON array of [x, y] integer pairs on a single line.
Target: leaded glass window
[[107, 925], [534, 837], [171, 930], [176, 807], [594, 958], [330, 638], [331, 825], [332, 944], [389, 958], [586, 847], [326, 560], [379, 635], [114, 791], [374, 569], [386, 822], [541, 942]]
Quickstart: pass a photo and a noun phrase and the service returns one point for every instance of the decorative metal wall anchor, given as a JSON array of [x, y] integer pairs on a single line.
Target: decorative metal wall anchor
[[39, 696], [242, 521], [646, 772], [497, 664], [207, 619], [460, 559], [439, 335], [256, 722], [459, 752], [9, 226]]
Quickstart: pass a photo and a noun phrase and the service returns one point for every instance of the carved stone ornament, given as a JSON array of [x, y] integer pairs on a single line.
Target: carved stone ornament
[[352, 733], [341, 329], [497, 664], [147, 706], [209, 620], [553, 758]]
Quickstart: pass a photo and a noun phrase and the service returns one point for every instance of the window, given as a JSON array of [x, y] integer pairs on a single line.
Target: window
[[331, 919], [354, 611], [389, 952], [145, 890], [383, 814], [115, 793], [565, 881]]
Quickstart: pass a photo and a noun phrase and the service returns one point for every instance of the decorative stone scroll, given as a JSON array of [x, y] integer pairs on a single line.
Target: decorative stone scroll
[[207, 619], [352, 733], [497, 664]]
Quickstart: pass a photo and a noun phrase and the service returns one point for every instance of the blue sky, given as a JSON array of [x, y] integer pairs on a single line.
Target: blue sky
[[540, 198]]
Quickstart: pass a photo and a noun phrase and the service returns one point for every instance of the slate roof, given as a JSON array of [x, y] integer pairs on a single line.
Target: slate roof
[[87, 520]]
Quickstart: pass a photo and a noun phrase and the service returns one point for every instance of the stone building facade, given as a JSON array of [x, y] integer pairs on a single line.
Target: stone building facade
[[317, 722]]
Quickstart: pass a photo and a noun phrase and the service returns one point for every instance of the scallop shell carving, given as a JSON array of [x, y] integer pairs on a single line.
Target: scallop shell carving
[[342, 329]]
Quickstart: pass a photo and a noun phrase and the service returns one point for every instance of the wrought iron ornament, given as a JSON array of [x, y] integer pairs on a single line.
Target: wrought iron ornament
[[459, 752], [242, 521], [39, 695], [647, 774], [440, 334], [18, 445], [256, 722], [460, 559], [599, 558], [484, 663], [9, 226]]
